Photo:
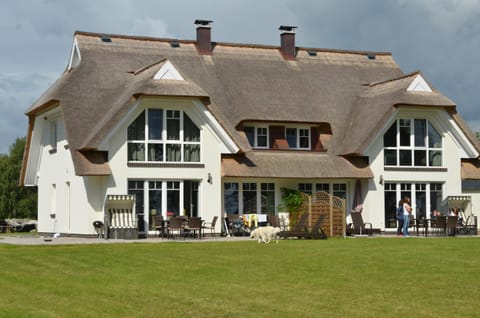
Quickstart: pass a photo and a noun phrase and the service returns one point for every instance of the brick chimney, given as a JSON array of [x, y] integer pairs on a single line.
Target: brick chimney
[[204, 43], [287, 42]]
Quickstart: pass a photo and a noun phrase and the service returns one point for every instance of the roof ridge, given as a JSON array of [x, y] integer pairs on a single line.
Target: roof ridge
[[231, 44]]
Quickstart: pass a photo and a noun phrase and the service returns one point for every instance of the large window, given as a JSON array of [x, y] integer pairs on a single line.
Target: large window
[[162, 196], [249, 197], [159, 135], [425, 198], [413, 143]]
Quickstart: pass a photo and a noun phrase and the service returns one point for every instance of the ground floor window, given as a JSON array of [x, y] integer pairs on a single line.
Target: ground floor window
[[425, 198], [337, 189], [163, 197], [249, 197]]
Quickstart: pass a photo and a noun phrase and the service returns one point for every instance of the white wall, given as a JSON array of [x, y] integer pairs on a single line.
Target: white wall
[[454, 149], [211, 148], [60, 191]]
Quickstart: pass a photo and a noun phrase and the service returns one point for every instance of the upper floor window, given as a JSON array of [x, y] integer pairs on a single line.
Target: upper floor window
[[159, 135], [412, 142], [257, 136], [298, 137]]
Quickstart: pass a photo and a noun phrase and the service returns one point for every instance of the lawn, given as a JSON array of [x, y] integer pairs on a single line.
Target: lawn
[[361, 277]]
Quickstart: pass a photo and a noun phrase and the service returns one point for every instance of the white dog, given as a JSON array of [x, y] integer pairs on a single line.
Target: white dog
[[265, 234]]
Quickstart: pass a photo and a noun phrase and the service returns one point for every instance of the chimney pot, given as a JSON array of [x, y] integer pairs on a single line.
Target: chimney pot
[[287, 41], [204, 43]]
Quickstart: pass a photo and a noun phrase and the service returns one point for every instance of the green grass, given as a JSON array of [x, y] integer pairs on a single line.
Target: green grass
[[381, 277]]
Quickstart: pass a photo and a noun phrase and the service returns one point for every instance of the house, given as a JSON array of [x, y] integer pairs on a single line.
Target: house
[[206, 128]]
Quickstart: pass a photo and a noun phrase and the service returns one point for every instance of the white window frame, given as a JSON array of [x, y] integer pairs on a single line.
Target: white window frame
[[298, 136], [256, 135], [164, 141], [412, 147]]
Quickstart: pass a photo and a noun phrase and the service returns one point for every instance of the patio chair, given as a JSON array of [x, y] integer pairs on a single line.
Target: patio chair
[[299, 230], [235, 223], [194, 224], [273, 220], [159, 224], [176, 226], [360, 227], [439, 225], [317, 231], [210, 226], [452, 225]]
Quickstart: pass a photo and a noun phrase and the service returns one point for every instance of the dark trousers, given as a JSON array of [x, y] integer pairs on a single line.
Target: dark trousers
[[400, 225]]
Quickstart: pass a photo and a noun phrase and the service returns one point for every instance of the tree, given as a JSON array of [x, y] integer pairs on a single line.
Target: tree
[[15, 201]]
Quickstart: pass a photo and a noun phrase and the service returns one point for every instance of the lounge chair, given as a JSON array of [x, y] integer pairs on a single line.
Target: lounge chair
[[299, 230], [317, 231], [360, 227]]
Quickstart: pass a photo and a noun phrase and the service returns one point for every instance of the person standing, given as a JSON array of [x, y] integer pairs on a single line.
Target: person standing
[[399, 212], [407, 210]]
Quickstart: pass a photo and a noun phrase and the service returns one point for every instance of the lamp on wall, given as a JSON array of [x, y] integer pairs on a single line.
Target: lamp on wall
[[381, 180], [209, 178]]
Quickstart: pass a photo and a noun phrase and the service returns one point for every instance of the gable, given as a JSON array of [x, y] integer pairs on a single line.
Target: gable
[[419, 85], [168, 72]]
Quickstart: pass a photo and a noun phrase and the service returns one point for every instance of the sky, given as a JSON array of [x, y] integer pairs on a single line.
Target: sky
[[441, 38]]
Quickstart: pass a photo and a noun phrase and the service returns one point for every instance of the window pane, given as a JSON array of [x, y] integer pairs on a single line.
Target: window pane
[[304, 138], [136, 188], [390, 137], [136, 130], [173, 125], [173, 152], [420, 132], [191, 153], [322, 187], [191, 131], [230, 197], [390, 157], [173, 198], [435, 158], [155, 152], [405, 132], [136, 152], [291, 135], [420, 157], [305, 188], [250, 132], [268, 198], [340, 190], [249, 198], [405, 157], [434, 138], [155, 124], [435, 197]]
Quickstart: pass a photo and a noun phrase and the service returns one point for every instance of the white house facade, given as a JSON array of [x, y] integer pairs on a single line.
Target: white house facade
[[205, 129]]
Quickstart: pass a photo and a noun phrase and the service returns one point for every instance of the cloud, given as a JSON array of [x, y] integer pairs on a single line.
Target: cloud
[[441, 38]]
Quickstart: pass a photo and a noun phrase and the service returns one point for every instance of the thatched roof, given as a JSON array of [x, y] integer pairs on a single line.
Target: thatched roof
[[237, 83], [294, 164]]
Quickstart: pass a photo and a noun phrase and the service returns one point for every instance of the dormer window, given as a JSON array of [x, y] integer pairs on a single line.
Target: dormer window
[[298, 138], [257, 136]]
